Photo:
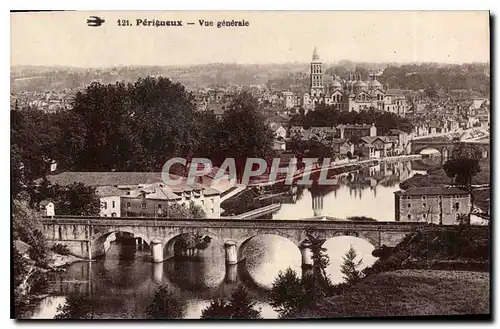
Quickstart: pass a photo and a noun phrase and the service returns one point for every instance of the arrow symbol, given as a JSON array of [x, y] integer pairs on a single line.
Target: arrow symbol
[[95, 21]]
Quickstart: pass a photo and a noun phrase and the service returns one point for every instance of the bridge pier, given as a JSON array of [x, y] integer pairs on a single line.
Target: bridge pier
[[306, 251], [158, 272], [157, 250], [231, 273], [231, 254]]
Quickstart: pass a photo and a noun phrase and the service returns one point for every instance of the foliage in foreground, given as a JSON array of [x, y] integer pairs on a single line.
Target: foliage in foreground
[[76, 307], [291, 295], [239, 306], [456, 248], [26, 226], [165, 305], [350, 267]]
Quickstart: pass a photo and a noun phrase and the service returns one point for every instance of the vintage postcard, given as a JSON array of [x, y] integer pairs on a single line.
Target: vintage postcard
[[250, 165]]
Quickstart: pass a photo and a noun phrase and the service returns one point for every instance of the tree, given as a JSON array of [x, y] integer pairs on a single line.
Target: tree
[[27, 226], [320, 261], [287, 294], [218, 309], [20, 267], [462, 166], [239, 306], [245, 133], [76, 199], [76, 307], [165, 305], [349, 267], [176, 210]]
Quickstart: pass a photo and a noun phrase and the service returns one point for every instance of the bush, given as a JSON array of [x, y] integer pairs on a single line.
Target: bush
[[76, 307], [20, 268], [165, 305], [291, 296], [60, 249], [38, 249], [239, 306]]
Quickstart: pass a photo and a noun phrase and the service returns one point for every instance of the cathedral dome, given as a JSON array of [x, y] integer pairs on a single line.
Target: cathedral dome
[[375, 84], [336, 84], [359, 83]]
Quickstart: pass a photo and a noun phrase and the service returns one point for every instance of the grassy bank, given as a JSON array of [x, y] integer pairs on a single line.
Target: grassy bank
[[436, 271], [411, 293]]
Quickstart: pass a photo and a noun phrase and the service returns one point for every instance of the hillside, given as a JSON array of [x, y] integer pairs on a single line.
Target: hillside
[[284, 76], [412, 293]]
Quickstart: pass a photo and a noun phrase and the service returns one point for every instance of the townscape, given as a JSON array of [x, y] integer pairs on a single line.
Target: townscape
[[98, 233]]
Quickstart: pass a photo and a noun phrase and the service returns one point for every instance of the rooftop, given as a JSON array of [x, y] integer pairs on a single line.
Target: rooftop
[[432, 190], [104, 178]]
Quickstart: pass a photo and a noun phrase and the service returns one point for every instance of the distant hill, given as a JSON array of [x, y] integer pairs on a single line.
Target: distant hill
[[288, 76]]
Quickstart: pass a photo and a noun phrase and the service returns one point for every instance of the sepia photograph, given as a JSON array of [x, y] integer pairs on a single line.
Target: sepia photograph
[[250, 165]]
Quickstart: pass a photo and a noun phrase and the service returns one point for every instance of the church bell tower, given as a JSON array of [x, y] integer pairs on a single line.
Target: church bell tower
[[317, 87]]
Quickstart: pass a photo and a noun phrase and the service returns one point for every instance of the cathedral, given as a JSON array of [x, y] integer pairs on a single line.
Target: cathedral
[[350, 94]]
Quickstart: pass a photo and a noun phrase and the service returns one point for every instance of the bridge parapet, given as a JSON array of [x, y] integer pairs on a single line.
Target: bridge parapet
[[86, 235]]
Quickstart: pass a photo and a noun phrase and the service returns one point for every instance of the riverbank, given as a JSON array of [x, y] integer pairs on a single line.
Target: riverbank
[[397, 158], [25, 293]]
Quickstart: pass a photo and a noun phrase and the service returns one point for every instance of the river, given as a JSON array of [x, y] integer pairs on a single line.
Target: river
[[121, 284]]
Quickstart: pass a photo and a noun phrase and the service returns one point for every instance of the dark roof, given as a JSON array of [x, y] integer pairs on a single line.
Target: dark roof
[[432, 190], [397, 131], [45, 202], [104, 191], [104, 178]]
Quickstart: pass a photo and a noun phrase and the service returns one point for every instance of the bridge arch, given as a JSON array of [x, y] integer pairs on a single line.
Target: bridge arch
[[430, 151], [100, 243], [244, 242], [169, 242], [372, 237]]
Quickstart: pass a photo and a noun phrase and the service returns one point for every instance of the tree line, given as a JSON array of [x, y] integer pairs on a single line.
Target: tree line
[[423, 76], [133, 127], [327, 116]]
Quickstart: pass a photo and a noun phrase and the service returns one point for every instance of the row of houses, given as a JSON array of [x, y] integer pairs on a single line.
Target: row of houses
[[354, 139], [141, 194]]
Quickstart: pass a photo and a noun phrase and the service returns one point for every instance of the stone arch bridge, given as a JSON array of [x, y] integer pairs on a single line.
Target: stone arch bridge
[[444, 147], [87, 237]]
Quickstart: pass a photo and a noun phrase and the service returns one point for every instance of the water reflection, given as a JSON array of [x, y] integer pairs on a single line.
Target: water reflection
[[366, 192], [123, 289]]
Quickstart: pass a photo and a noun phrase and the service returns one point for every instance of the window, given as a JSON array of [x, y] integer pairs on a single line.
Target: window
[[113, 204], [202, 202], [143, 205], [409, 217], [113, 214], [440, 197], [457, 205], [105, 205], [424, 216], [213, 201], [423, 205], [143, 214], [409, 205], [212, 209], [424, 197], [159, 206], [128, 204]]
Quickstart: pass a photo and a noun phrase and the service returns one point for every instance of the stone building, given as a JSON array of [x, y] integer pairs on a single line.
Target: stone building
[[436, 205]]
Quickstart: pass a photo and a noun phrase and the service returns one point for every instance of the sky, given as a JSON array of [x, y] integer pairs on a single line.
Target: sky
[[64, 39]]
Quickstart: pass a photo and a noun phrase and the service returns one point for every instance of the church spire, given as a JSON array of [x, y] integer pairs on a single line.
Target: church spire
[[315, 55]]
